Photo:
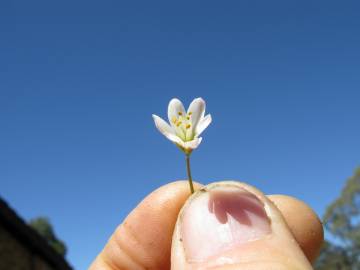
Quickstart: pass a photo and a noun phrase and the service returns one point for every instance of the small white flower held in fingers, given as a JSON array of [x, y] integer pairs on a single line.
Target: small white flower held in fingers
[[185, 127]]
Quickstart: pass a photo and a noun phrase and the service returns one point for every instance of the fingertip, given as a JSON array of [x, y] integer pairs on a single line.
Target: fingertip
[[143, 240], [243, 228], [303, 222]]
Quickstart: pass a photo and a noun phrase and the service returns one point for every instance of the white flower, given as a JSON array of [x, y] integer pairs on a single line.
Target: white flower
[[185, 127]]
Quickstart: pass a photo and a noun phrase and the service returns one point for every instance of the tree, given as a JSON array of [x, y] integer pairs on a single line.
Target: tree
[[43, 226], [333, 257], [342, 221]]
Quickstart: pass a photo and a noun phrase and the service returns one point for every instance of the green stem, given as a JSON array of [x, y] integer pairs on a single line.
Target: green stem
[[189, 173]]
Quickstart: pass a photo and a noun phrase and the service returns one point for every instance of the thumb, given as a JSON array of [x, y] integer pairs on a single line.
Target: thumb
[[231, 225]]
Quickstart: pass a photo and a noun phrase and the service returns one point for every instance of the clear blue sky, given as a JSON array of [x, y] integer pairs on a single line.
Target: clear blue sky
[[80, 80]]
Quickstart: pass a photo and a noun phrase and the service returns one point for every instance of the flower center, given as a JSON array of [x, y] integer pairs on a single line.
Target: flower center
[[183, 126]]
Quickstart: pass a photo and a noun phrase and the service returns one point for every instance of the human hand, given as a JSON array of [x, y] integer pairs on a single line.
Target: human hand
[[227, 225]]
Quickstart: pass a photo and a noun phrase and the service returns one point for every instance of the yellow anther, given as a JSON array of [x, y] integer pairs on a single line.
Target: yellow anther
[[178, 123], [188, 126], [190, 113], [179, 113], [188, 117]]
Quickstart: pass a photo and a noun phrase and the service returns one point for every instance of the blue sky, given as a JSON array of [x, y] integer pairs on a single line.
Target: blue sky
[[80, 80]]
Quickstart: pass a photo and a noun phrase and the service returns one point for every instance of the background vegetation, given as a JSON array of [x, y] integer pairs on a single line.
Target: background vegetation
[[43, 226], [342, 223]]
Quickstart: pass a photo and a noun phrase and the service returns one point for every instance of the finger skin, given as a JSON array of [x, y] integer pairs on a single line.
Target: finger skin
[[275, 247], [303, 223], [143, 240]]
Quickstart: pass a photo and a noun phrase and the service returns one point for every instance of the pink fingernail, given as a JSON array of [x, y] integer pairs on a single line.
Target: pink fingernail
[[220, 220]]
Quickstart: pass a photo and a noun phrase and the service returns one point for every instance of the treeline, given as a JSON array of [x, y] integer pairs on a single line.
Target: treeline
[[342, 223]]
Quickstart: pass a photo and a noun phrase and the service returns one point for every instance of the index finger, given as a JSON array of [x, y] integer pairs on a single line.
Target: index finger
[[143, 240]]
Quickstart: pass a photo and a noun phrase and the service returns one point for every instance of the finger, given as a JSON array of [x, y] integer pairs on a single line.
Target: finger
[[171, 197], [231, 225], [143, 240], [303, 223]]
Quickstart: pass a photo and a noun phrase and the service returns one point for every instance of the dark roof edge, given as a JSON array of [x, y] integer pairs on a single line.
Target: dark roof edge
[[24, 233]]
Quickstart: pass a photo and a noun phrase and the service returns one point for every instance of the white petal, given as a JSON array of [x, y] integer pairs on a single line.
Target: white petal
[[193, 144], [175, 107], [162, 126], [166, 129], [197, 110], [203, 124], [181, 144], [175, 139]]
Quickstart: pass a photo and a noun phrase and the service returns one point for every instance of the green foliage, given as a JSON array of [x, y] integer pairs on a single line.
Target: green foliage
[[44, 228], [342, 221], [342, 216], [333, 257]]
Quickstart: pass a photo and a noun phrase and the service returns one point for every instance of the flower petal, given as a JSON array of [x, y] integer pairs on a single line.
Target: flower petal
[[166, 129], [193, 144], [162, 125], [175, 109], [197, 110], [203, 124]]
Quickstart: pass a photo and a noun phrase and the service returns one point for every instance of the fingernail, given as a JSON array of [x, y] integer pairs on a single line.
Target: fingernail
[[221, 219]]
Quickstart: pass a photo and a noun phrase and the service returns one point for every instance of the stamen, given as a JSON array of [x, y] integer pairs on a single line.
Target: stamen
[[188, 117], [179, 113], [178, 123], [188, 126], [190, 113]]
